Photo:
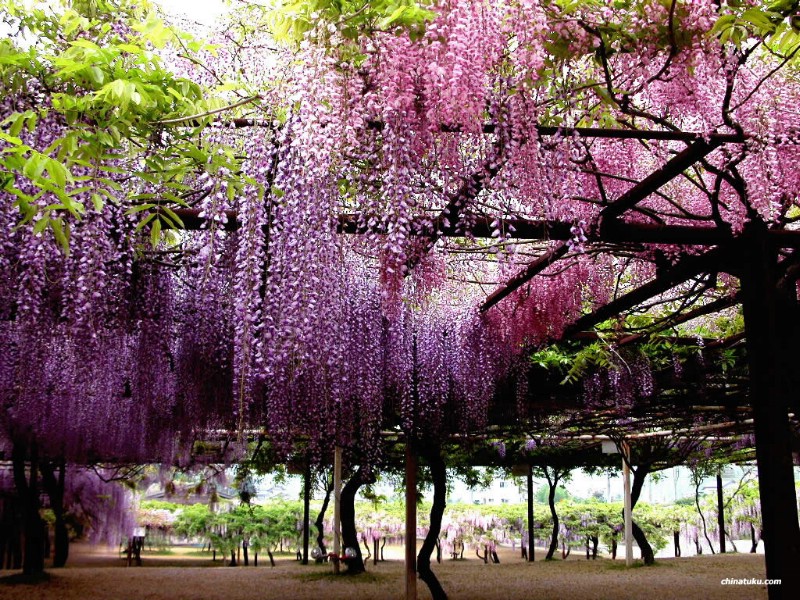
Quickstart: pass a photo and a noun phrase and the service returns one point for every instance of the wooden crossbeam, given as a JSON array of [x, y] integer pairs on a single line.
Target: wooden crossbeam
[[600, 132], [192, 221], [450, 215], [526, 229], [705, 309], [673, 167], [685, 269], [477, 227], [616, 231], [528, 273]]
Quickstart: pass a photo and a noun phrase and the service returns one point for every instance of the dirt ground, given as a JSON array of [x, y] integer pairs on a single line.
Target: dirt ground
[[100, 574]]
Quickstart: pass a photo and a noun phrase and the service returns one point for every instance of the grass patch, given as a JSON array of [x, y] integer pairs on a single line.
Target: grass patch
[[619, 565], [158, 552], [362, 578], [23, 579]]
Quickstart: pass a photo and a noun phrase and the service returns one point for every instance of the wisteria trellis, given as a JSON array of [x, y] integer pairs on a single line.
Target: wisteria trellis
[[121, 351]]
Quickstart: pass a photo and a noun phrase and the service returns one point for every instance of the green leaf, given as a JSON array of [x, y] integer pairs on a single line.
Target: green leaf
[[58, 172], [171, 214], [97, 75], [724, 22], [139, 208], [17, 124], [61, 233], [10, 139], [155, 233], [34, 166], [84, 43], [143, 223], [41, 225], [760, 19]]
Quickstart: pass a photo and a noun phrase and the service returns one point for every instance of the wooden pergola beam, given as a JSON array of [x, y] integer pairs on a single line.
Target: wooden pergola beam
[[706, 309], [685, 269], [528, 273], [524, 229], [614, 232], [477, 227], [673, 167], [600, 132], [192, 221]]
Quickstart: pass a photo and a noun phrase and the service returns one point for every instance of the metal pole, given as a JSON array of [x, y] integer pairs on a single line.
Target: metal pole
[[626, 481], [411, 524], [337, 506]]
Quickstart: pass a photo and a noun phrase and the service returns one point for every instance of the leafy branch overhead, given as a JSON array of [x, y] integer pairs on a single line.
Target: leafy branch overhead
[[109, 125]]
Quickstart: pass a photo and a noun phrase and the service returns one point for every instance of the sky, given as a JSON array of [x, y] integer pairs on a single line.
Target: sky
[[203, 11]]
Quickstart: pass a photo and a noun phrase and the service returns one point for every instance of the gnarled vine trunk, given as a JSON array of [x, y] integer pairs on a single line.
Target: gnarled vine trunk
[[28, 489], [552, 482], [55, 491], [433, 456], [320, 522], [639, 476], [355, 565]]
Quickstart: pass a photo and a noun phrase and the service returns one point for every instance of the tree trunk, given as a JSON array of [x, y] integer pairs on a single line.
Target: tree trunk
[[595, 541], [702, 516], [11, 532], [355, 565], [435, 461], [320, 522], [676, 538], [244, 554], [369, 552], [639, 476], [28, 488], [552, 482], [754, 541], [55, 491]]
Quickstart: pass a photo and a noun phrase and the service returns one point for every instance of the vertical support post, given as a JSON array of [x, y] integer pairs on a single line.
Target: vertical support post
[[626, 481], [530, 513], [771, 344], [337, 507], [411, 523], [306, 508], [720, 514]]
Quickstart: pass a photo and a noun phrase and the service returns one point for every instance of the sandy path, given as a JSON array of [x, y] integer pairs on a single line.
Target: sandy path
[[102, 576]]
